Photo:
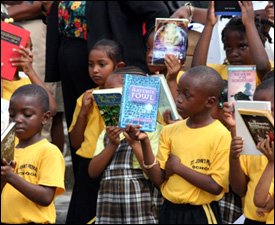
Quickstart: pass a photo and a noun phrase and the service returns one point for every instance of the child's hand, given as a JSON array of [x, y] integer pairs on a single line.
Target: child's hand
[[173, 66], [87, 103], [171, 164], [248, 15], [24, 62], [132, 142], [228, 115], [7, 170], [211, 19], [267, 148], [269, 9], [167, 117], [268, 207], [113, 133], [236, 147], [135, 133]]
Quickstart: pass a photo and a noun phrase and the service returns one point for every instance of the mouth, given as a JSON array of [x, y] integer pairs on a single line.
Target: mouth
[[19, 129]]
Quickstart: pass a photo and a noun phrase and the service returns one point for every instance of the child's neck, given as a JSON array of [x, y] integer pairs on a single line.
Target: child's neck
[[199, 121], [30, 141]]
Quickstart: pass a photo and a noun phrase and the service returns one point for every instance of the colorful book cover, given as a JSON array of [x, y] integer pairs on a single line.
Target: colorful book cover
[[11, 37], [140, 102], [108, 102], [241, 82], [8, 142], [171, 36], [166, 100]]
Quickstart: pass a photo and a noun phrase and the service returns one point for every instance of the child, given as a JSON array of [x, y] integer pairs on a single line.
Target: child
[[85, 129], [247, 169], [243, 42], [191, 167], [31, 182], [119, 161]]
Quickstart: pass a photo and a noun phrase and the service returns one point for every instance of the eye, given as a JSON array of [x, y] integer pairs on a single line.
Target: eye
[[243, 47]]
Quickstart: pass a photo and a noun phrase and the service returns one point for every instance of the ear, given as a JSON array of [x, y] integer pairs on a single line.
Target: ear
[[46, 117], [120, 64], [211, 102]]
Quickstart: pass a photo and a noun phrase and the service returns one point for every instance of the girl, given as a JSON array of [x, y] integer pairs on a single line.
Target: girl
[[86, 126], [243, 41], [124, 196]]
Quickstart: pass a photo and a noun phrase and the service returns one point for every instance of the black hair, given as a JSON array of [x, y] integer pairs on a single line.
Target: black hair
[[262, 25], [112, 48], [36, 91], [224, 94], [129, 69], [269, 75], [266, 85], [208, 78]]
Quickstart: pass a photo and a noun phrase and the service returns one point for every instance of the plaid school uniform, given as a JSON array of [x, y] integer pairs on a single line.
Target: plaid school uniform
[[125, 196]]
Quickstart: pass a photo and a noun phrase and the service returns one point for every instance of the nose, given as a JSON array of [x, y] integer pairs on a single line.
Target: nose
[[18, 119], [234, 53]]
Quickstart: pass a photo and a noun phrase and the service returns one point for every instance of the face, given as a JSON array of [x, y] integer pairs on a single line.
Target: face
[[26, 111], [265, 95], [236, 49], [100, 66], [191, 98]]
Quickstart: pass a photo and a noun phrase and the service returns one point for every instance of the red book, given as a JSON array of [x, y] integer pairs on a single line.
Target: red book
[[11, 37]]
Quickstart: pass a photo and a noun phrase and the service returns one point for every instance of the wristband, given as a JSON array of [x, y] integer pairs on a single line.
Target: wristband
[[152, 165]]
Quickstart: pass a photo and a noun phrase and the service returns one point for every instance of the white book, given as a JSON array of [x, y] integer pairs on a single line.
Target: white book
[[253, 122]]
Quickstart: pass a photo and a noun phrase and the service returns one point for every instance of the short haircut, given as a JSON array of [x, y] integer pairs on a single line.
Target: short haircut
[[266, 85], [129, 69], [112, 49], [36, 91], [208, 78], [269, 75]]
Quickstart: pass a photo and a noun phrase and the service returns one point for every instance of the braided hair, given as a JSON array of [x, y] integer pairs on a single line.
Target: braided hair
[[236, 24]]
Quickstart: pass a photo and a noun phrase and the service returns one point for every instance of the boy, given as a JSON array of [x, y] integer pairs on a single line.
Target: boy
[[31, 182], [192, 161]]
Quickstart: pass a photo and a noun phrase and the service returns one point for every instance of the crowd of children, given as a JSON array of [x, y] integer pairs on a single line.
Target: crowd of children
[[190, 171]]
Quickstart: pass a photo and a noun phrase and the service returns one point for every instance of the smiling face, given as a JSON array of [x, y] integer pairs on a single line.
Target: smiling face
[[236, 48], [29, 116], [100, 66]]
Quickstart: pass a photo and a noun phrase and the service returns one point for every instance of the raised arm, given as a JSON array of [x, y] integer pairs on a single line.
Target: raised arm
[[201, 50]]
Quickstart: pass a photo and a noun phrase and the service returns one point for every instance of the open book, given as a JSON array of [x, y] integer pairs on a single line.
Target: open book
[[8, 142], [253, 122], [166, 100], [108, 102]]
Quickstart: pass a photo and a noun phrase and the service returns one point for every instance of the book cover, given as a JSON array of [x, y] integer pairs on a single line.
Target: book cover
[[171, 35], [241, 82], [166, 100], [140, 101], [8, 142], [108, 102], [250, 123], [11, 37], [227, 8]]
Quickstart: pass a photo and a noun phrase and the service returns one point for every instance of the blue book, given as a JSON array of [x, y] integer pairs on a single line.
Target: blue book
[[140, 102], [227, 8]]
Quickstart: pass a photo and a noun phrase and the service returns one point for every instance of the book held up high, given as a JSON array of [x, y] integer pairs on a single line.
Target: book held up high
[[171, 35], [140, 102], [166, 100], [8, 142], [11, 37], [241, 82], [253, 122], [108, 102], [227, 8]]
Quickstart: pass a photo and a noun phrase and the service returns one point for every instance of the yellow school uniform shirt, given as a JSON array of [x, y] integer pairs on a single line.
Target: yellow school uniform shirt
[[153, 137], [41, 163], [205, 150], [9, 86], [94, 127], [253, 167]]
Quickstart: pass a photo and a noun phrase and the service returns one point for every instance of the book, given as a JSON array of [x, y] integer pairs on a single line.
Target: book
[[11, 37], [108, 102], [166, 100], [253, 118], [171, 36], [241, 82], [227, 8], [8, 142], [140, 102]]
